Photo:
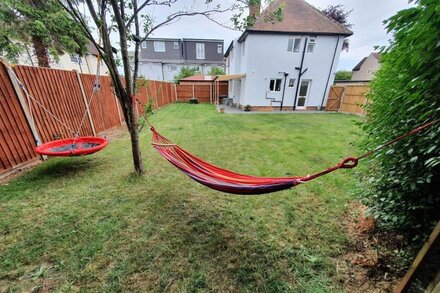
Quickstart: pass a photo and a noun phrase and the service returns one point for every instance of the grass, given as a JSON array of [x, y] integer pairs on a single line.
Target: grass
[[89, 224]]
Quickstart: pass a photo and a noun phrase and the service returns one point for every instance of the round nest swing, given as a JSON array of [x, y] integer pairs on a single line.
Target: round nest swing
[[79, 146]]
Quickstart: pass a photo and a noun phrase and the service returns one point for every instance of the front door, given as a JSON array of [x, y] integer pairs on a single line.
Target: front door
[[303, 94]]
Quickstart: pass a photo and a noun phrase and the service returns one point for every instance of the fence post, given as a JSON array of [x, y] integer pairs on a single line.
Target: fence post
[[193, 90], [175, 91], [210, 93], [24, 105], [342, 99], [86, 103]]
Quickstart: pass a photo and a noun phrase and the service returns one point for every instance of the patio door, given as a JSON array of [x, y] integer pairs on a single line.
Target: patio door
[[304, 90]]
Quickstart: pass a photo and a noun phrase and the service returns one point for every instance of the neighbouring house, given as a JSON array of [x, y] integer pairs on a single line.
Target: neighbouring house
[[364, 70], [83, 64], [162, 59], [288, 64]]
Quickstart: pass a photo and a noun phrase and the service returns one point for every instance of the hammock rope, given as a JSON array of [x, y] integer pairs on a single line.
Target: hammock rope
[[235, 183]]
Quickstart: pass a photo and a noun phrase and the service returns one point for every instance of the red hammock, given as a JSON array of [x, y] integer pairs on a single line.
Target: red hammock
[[230, 182]]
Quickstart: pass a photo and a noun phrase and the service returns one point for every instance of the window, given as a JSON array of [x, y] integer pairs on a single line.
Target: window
[[172, 67], [144, 45], [311, 45], [293, 45], [219, 49], [291, 82], [200, 51], [76, 58], [176, 45], [275, 85], [159, 47]]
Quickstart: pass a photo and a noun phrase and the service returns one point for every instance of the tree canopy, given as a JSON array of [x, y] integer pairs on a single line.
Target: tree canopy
[[343, 75], [216, 71], [186, 71], [44, 25]]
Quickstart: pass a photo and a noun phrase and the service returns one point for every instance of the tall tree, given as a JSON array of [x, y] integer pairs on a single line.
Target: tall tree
[[340, 15], [186, 71], [131, 22], [44, 24]]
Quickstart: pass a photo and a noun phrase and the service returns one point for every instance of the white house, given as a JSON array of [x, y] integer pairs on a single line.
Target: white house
[[365, 69], [286, 64], [83, 64]]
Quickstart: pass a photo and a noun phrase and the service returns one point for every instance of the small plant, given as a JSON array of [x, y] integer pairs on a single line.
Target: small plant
[[193, 100], [148, 111], [247, 108]]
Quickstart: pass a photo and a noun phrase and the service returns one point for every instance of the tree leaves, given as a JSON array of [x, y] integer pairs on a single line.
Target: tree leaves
[[404, 191]]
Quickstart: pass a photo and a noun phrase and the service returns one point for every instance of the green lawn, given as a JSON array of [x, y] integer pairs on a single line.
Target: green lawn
[[89, 224]]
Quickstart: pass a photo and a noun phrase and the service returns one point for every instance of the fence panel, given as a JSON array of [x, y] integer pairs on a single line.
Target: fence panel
[[16, 139], [59, 93], [347, 98], [354, 99], [104, 106]]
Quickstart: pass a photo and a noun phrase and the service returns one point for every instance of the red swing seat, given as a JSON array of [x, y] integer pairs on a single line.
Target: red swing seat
[[69, 147]]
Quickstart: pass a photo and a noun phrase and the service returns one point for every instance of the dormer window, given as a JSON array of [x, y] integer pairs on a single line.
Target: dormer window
[[293, 45], [144, 45], [311, 44]]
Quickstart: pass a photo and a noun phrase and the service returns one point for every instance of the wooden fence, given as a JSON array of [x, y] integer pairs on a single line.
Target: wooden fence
[[347, 98], [58, 108], [205, 92]]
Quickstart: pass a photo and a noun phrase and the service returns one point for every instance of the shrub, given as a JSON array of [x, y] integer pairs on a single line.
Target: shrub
[[247, 108], [402, 189]]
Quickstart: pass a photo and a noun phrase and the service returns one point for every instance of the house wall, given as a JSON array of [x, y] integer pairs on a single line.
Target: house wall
[[154, 70], [367, 70], [266, 56]]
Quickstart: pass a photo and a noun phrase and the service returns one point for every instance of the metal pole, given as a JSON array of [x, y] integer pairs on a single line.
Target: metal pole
[[284, 90]]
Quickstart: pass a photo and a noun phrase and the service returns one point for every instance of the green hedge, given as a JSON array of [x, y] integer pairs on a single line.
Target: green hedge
[[403, 184]]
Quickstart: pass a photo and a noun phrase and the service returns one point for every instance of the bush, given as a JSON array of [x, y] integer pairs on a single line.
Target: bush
[[247, 108], [402, 189], [343, 75]]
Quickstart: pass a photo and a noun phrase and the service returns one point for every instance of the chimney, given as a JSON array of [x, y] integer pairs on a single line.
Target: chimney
[[254, 7]]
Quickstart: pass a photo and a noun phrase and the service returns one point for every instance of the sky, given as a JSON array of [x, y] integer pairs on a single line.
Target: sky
[[367, 17]]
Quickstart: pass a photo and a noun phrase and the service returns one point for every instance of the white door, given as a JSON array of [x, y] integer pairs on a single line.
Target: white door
[[303, 94]]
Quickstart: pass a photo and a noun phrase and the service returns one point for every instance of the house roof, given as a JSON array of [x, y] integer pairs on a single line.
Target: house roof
[[298, 17], [358, 66], [199, 78], [231, 46]]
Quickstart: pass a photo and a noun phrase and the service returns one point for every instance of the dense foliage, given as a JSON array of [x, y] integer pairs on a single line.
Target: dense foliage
[[403, 186], [216, 71], [44, 25], [343, 75], [186, 71]]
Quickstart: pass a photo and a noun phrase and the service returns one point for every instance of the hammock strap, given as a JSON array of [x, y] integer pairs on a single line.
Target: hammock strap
[[352, 162]]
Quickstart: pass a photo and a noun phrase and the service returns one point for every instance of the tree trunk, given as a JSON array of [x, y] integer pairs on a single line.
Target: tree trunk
[[41, 52], [131, 120]]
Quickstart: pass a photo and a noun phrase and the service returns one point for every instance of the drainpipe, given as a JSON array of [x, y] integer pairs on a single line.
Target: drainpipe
[[329, 73], [161, 67], [300, 73], [284, 90]]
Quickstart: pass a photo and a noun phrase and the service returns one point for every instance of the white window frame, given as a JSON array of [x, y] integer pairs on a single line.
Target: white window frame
[[200, 51], [293, 83], [144, 45], [176, 45], [294, 40], [311, 45], [219, 49], [273, 90], [159, 46]]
